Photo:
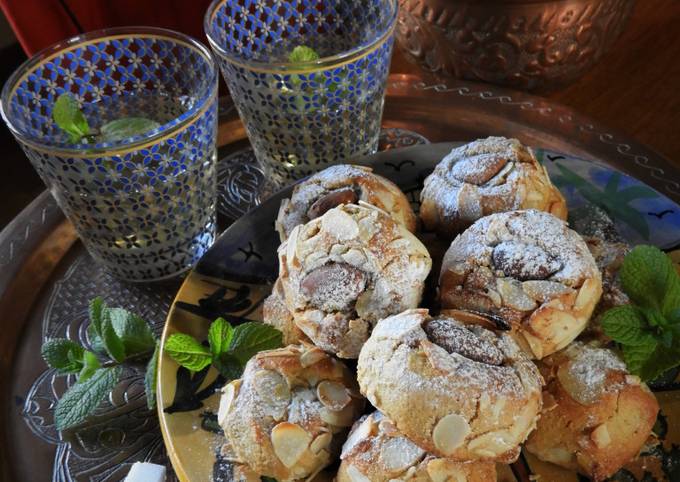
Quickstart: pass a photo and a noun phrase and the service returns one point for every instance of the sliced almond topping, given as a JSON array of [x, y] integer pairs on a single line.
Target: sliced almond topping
[[600, 436], [312, 357], [542, 290], [588, 295], [321, 442], [333, 395], [342, 418], [388, 428], [399, 453], [290, 441], [450, 433], [363, 431], [355, 475], [340, 223], [438, 470], [513, 295], [633, 380], [273, 391], [229, 393]]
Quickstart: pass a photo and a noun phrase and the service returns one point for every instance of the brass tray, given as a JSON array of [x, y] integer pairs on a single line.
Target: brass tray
[[46, 277]]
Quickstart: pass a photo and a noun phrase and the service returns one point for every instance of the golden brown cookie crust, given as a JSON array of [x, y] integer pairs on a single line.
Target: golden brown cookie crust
[[596, 416], [528, 268], [286, 417], [480, 405], [484, 177], [346, 270], [376, 451], [342, 184]]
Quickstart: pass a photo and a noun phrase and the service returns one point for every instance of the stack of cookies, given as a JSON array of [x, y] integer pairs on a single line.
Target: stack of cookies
[[509, 357]]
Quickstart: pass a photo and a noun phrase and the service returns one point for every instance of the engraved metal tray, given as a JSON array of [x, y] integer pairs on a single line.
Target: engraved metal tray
[[46, 277]]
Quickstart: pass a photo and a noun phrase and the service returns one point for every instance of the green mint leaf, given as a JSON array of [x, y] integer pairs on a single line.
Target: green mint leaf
[[624, 324], [69, 118], [127, 127], [646, 274], [674, 316], [150, 379], [90, 366], [670, 306], [96, 341], [112, 342], [660, 361], [188, 352], [219, 336], [63, 355], [253, 337], [229, 366], [267, 479], [95, 310], [302, 54], [637, 356], [83, 398], [133, 331]]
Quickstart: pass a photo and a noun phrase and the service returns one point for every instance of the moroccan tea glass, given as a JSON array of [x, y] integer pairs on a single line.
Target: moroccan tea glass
[[144, 207], [303, 117]]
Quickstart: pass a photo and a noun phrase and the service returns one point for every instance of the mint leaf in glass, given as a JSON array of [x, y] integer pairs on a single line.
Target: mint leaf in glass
[[67, 115], [126, 127], [302, 54], [63, 355], [83, 398]]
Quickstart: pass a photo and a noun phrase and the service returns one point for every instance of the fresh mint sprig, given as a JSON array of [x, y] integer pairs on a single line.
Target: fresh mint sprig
[[303, 54], [68, 116], [229, 348], [117, 337], [648, 329]]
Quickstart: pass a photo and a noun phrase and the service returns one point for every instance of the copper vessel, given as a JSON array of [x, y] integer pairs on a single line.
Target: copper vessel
[[527, 44]]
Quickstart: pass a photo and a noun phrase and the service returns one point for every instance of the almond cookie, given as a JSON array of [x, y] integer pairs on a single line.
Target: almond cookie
[[596, 417], [342, 184], [528, 268], [276, 313], [457, 391], [483, 177], [287, 416], [376, 451], [346, 270]]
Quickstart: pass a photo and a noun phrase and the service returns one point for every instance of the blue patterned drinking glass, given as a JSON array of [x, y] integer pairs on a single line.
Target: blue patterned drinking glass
[[303, 117], [143, 206]]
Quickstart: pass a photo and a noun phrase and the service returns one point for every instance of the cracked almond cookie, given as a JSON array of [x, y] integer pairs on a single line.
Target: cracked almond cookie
[[596, 416], [484, 177], [376, 451], [528, 268], [287, 416], [460, 392], [346, 270], [342, 184]]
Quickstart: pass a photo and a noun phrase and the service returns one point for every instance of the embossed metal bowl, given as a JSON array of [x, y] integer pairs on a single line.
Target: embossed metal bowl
[[527, 44]]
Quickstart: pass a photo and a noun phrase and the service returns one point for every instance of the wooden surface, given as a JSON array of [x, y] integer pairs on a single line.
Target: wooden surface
[[636, 86]]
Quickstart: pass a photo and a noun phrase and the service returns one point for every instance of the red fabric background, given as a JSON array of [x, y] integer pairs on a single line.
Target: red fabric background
[[40, 23]]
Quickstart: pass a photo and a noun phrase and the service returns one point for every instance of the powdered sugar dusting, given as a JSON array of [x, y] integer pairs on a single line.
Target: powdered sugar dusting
[[587, 370]]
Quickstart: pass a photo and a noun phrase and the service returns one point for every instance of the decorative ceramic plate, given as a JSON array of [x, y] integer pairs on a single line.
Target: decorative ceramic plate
[[235, 276]]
